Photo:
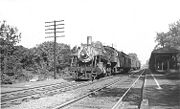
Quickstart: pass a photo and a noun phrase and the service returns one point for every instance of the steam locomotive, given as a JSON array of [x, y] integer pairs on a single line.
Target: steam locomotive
[[93, 60]]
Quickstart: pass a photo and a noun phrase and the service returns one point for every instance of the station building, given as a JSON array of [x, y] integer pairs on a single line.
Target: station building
[[165, 59]]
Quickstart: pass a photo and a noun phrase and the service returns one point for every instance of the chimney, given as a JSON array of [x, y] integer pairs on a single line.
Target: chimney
[[89, 40]]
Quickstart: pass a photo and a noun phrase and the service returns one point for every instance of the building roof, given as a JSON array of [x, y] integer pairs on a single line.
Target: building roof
[[166, 50]]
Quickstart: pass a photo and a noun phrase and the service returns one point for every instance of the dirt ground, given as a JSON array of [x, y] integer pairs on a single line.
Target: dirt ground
[[162, 91]]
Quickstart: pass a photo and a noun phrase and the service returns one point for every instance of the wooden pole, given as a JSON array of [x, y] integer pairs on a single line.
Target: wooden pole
[[54, 29], [55, 69]]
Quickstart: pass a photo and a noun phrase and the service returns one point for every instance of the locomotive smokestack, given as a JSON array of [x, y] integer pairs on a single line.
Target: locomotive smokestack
[[89, 40]]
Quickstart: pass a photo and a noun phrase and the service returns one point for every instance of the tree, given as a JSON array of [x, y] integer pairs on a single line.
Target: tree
[[133, 55], [161, 39], [170, 38], [43, 60], [9, 37]]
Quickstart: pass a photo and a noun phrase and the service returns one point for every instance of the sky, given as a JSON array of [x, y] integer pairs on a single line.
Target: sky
[[130, 25]]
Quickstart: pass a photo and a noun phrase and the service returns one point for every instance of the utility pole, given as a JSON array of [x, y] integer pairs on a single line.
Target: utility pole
[[53, 28]]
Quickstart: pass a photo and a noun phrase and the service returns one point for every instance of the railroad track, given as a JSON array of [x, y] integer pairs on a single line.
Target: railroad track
[[119, 104], [18, 96], [69, 104]]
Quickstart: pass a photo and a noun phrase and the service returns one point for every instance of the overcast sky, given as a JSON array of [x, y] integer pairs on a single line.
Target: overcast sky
[[130, 25]]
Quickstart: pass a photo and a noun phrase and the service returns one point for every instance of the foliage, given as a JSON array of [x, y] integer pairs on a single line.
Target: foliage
[[170, 38], [19, 63], [9, 37], [133, 55], [13, 62], [42, 57]]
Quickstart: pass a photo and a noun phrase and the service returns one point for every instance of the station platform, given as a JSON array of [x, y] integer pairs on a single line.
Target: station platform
[[161, 91], [19, 86]]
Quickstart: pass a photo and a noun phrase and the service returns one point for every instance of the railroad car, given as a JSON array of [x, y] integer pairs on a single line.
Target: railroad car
[[93, 60], [135, 64], [125, 62]]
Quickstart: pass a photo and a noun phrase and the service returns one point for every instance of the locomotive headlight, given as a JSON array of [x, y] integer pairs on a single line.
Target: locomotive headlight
[[83, 54]]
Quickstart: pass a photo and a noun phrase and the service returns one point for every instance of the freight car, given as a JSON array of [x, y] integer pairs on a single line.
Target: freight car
[[125, 62], [93, 60], [135, 64]]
